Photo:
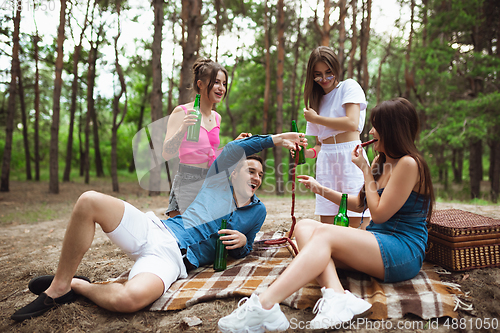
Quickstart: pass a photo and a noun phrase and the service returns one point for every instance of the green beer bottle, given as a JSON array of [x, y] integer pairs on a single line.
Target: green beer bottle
[[302, 158], [193, 133], [341, 218], [220, 261]]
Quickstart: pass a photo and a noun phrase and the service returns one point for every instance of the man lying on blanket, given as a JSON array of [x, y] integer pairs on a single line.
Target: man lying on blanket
[[163, 251]]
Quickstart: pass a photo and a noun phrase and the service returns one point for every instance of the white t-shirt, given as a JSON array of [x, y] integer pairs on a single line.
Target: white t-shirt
[[332, 105]]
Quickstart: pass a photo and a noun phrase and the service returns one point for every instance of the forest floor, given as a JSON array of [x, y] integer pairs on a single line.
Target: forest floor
[[32, 225]]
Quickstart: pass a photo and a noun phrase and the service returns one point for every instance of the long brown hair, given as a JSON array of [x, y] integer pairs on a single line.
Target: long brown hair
[[312, 90], [397, 124], [205, 69]]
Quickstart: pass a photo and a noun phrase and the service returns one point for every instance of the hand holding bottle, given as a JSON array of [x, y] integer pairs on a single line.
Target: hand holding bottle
[[232, 239], [189, 120]]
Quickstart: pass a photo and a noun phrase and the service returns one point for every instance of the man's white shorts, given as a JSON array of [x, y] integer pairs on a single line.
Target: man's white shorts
[[144, 238]]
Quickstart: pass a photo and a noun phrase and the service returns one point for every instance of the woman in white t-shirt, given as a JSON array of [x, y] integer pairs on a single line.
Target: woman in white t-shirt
[[335, 114]]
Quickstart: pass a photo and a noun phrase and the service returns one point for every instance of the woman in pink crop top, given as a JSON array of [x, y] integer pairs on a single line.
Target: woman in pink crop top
[[210, 81]]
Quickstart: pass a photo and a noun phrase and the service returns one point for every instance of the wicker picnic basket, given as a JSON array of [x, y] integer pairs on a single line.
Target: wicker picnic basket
[[460, 240]]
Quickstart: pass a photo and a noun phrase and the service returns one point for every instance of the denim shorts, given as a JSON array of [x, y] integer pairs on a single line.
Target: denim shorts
[[402, 259]]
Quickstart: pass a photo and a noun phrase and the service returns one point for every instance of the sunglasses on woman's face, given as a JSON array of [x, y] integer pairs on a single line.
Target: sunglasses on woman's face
[[321, 78]]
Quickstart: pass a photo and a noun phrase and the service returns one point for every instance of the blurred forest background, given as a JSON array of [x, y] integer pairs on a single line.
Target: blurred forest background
[[443, 55]]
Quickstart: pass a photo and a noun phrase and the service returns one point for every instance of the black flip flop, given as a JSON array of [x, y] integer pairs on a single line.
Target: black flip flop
[[42, 304], [39, 284]]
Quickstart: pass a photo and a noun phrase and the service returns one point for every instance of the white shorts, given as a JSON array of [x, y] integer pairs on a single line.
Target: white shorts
[[335, 170], [144, 238]]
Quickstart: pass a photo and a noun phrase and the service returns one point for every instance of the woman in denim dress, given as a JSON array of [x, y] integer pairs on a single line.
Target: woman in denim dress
[[398, 191]]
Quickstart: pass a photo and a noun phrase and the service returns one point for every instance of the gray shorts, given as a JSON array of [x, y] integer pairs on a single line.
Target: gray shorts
[[187, 183], [144, 238]]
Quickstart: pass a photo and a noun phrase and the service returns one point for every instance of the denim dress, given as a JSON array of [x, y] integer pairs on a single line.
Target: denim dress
[[402, 239]]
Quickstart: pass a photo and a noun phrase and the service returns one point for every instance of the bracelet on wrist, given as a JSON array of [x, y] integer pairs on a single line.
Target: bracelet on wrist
[[315, 153]]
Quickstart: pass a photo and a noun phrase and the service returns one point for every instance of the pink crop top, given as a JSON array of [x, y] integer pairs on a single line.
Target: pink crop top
[[206, 149]]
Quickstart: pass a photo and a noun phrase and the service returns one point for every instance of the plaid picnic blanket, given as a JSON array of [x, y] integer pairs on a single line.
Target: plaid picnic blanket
[[425, 295]]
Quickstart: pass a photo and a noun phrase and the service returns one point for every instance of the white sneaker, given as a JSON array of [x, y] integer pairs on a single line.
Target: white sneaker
[[334, 308], [251, 317]]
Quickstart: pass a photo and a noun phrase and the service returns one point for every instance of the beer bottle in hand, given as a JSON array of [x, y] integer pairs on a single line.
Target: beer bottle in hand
[[302, 158], [341, 218], [193, 132], [220, 261]]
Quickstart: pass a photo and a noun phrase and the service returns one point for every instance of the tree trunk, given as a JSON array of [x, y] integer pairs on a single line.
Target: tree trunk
[[217, 29], [364, 45], [95, 132], [24, 120], [117, 111], [494, 172], [88, 116], [131, 167], [409, 78], [475, 167], [170, 106], [74, 94], [278, 165], [457, 164], [267, 86], [9, 122], [156, 94], [72, 109], [379, 76], [294, 107], [354, 40], [36, 39], [324, 31], [192, 21], [81, 144], [228, 108], [56, 108], [342, 37]]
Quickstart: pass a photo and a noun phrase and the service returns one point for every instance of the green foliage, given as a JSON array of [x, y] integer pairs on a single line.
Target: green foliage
[[453, 59]]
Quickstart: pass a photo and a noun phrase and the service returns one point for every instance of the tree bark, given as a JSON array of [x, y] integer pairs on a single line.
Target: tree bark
[[9, 122], [457, 164], [494, 172], [475, 167], [354, 40], [342, 37], [56, 108], [117, 111], [324, 31], [36, 39], [294, 104], [192, 21], [278, 153], [142, 108], [74, 94], [217, 28], [409, 77], [95, 132], [364, 45], [90, 108], [379, 76], [267, 85], [156, 94], [24, 120], [228, 108]]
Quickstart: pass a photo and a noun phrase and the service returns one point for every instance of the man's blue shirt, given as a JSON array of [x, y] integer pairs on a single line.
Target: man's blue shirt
[[196, 229]]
